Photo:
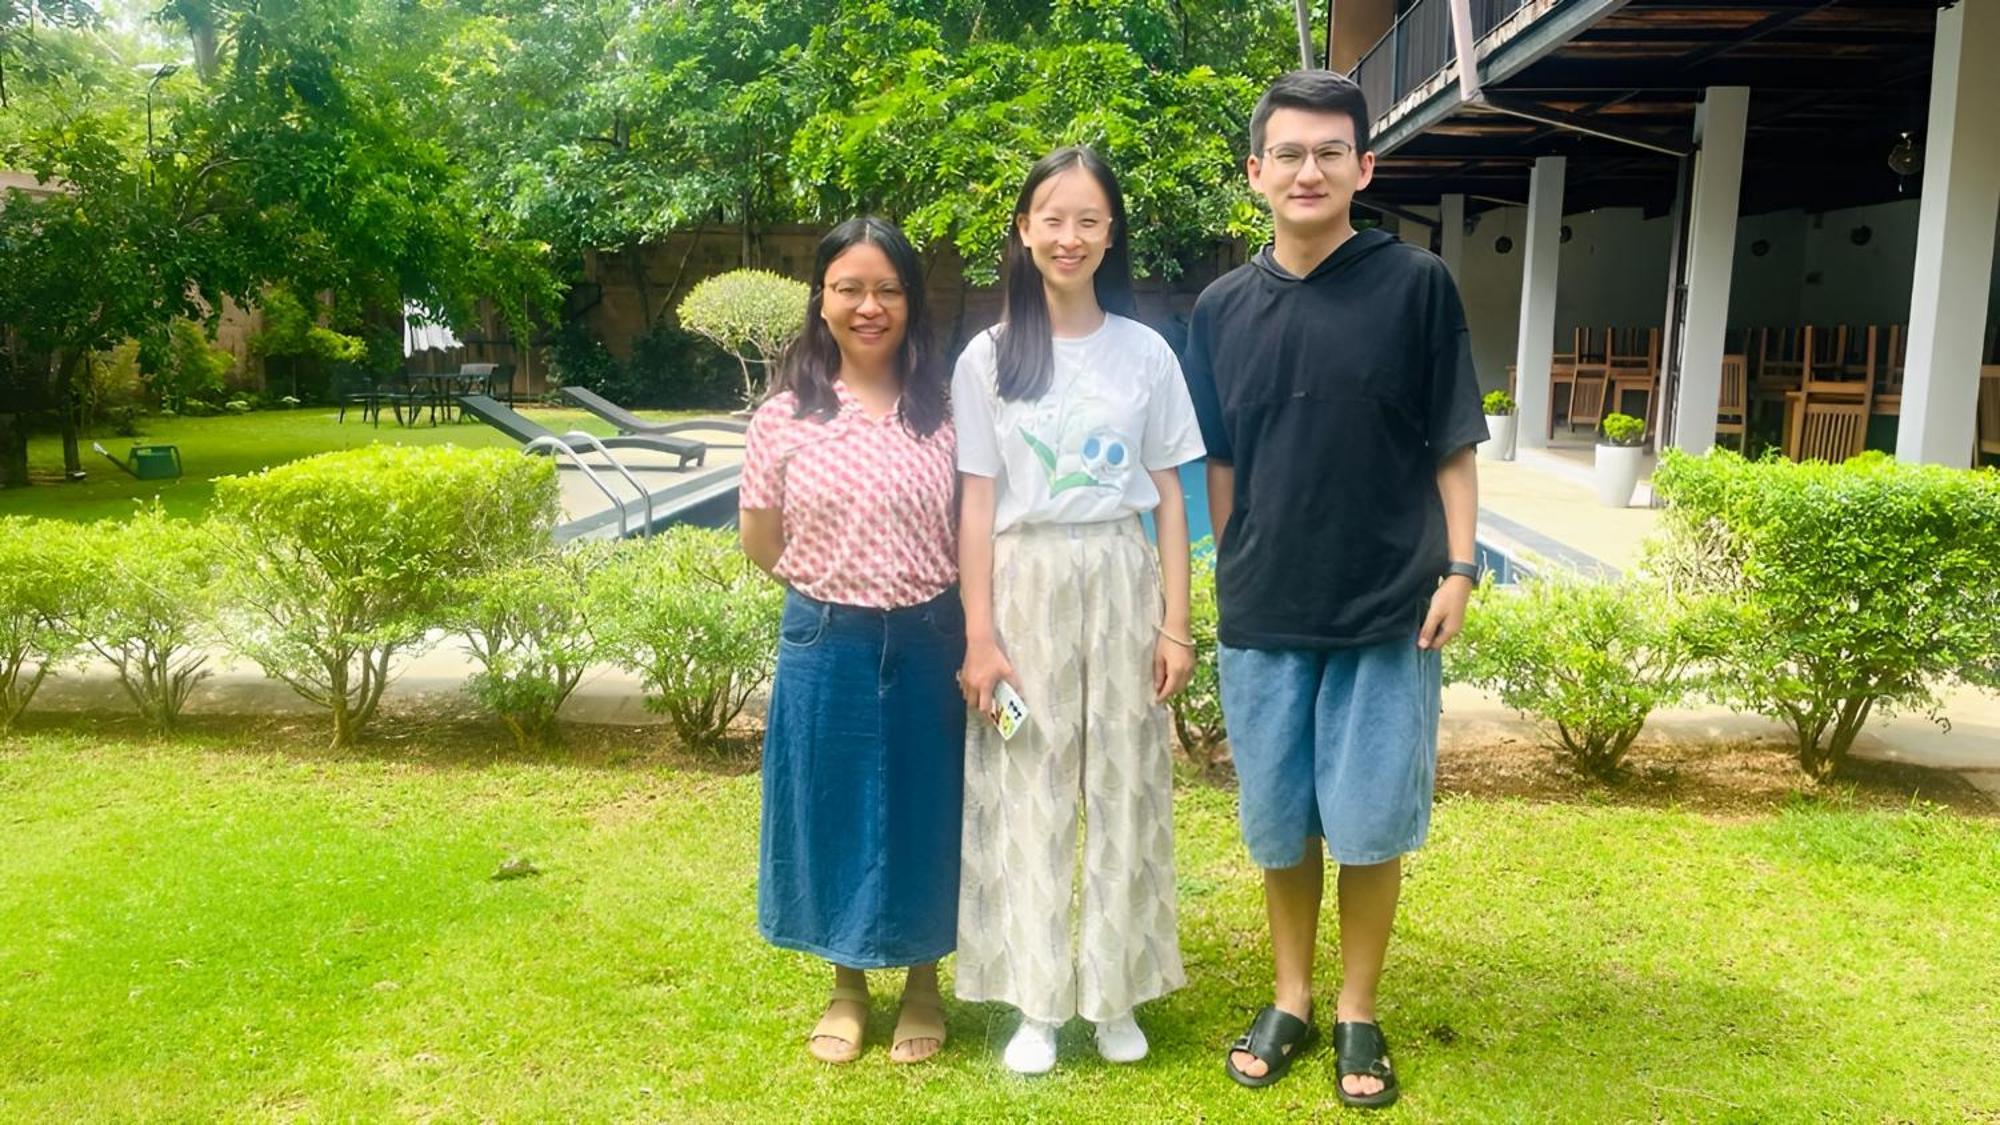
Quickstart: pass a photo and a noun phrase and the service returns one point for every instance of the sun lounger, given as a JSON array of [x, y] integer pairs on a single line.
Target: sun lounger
[[524, 430]]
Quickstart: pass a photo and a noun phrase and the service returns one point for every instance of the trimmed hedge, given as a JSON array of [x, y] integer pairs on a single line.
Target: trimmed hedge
[[1197, 710], [689, 613], [1589, 660], [149, 598], [340, 562], [39, 595], [533, 627], [1855, 588]]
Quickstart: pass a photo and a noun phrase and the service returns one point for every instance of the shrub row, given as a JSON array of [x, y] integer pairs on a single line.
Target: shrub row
[[327, 571], [1815, 594]]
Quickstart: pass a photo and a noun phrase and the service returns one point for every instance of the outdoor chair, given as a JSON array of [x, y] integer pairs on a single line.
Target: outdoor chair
[[1589, 355], [1830, 430], [1891, 368], [630, 423], [1989, 411], [1732, 413], [524, 430], [1586, 398], [360, 389]]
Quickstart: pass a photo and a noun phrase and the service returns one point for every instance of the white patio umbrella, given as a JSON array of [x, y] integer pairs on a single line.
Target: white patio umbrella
[[420, 335]]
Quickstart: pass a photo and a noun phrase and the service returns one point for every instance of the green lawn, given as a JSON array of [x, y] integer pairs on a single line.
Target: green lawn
[[239, 926], [230, 444]]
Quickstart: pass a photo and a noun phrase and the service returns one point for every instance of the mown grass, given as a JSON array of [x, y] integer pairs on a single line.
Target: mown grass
[[238, 925], [229, 444]]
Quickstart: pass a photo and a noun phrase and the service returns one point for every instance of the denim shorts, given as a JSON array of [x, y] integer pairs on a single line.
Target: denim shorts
[[1337, 743]]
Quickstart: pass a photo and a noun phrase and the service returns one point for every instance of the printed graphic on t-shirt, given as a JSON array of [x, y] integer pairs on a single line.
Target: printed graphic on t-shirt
[[1077, 446]]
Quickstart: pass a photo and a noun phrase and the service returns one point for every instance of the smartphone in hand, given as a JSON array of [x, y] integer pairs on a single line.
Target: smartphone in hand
[[1009, 713]]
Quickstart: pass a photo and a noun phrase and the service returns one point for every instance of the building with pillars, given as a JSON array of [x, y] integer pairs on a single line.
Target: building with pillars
[[1726, 172]]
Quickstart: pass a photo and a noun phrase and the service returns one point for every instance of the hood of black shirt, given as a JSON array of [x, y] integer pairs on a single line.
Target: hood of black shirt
[[1357, 247]]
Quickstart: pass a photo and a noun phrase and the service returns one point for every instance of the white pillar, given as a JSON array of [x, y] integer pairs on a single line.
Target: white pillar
[[1451, 236], [1955, 221], [1720, 122], [1534, 346]]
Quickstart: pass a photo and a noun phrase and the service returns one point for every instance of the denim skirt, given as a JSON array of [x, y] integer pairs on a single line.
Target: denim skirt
[[864, 750]]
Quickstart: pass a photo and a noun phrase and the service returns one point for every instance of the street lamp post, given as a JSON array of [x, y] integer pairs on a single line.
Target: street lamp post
[[164, 71]]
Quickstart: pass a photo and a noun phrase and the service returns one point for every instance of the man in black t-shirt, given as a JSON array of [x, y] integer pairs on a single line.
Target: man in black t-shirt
[[1333, 379]]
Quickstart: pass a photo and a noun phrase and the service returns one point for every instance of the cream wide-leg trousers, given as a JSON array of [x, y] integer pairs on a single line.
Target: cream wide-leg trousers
[[1077, 607]]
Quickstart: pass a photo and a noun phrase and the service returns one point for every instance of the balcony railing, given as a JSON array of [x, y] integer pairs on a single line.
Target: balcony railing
[[1417, 47]]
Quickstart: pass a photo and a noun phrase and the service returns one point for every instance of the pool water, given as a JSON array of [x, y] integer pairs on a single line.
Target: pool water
[[1505, 569]]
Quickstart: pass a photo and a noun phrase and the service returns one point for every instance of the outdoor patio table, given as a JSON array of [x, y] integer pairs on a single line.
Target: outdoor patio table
[[436, 389]]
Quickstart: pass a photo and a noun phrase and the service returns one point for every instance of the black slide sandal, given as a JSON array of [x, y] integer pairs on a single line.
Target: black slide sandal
[[1360, 1050], [1277, 1039]]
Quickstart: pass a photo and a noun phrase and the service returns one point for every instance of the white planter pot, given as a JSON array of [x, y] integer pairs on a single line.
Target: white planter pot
[[1499, 444], [1618, 474]]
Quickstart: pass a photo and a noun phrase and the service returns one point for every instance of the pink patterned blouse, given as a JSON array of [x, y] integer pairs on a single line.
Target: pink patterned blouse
[[867, 506]]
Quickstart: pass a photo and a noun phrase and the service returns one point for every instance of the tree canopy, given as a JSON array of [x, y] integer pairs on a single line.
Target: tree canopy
[[378, 153]]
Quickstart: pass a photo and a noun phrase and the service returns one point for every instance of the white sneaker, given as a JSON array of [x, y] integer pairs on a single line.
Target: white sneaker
[[1033, 1048], [1120, 1040]]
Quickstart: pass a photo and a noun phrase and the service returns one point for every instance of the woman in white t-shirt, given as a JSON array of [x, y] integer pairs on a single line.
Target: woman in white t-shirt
[[1072, 420]]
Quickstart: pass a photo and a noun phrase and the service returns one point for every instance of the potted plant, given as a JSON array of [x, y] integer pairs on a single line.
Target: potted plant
[[1500, 425], [1619, 451]]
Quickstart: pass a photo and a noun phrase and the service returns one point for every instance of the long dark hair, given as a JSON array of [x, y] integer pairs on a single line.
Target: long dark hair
[[812, 363], [1027, 352]]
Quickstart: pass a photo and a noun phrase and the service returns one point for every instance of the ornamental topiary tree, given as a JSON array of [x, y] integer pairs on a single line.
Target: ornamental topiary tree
[[1857, 587], [340, 562], [751, 314]]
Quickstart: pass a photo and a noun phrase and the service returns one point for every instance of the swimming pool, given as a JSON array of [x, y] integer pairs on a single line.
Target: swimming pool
[[1493, 557]]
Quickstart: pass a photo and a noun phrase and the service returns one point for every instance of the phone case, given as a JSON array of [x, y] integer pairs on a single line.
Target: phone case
[[1010, 714]]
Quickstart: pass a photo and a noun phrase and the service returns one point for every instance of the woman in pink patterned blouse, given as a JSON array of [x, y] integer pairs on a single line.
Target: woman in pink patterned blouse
[[848, 498]]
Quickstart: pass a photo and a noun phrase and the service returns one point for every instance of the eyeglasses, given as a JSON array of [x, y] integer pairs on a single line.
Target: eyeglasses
[[855, 293], [1290, 159]]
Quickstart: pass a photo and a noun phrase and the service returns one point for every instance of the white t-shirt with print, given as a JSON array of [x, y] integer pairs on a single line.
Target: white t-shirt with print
[[1115, 409]]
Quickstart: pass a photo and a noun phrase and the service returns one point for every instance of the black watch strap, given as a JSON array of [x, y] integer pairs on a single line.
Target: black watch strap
[[1463, 570]]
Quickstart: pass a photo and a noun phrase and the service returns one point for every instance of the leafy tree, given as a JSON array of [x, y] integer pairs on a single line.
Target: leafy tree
[[109, 254], [21, 45]]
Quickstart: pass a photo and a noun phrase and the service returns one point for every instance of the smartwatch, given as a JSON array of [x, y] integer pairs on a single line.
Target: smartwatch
[[1463, 570]]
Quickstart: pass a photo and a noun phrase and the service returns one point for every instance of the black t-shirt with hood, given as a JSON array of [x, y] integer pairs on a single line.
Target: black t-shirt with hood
[[1334, 396]]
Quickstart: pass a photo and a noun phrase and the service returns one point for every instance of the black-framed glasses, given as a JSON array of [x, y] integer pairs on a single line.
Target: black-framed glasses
[[1290, 159]]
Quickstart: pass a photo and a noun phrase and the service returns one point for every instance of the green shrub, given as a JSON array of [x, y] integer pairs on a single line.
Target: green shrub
[[530, 626], [189, 369], [1623, 429], [38, 601], [150, 587], [1197, 710], [751, 314], [1858, 587], [1497, 404], [339, 562], [669, 368], [1589, 660], [692, 616]]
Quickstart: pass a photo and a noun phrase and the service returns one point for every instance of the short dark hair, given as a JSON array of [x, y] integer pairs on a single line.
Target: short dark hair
[[1323, 91]]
